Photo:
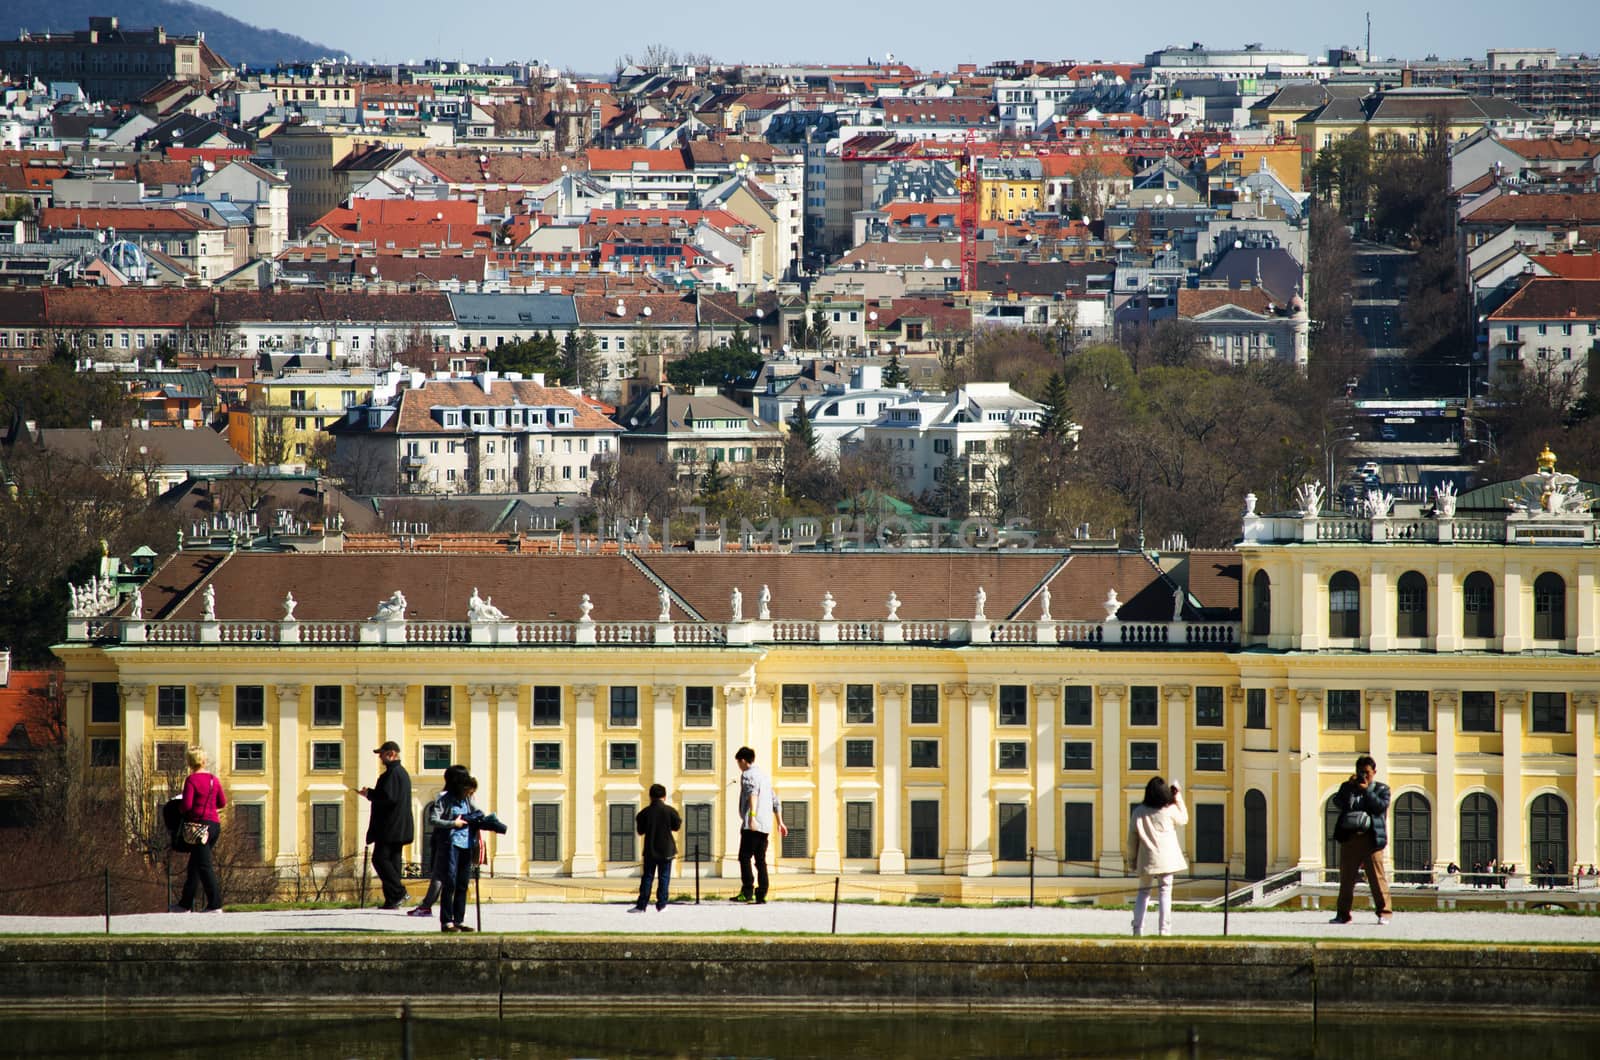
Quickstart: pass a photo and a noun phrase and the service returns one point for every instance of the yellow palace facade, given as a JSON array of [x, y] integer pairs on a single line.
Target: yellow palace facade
[[948, 713]]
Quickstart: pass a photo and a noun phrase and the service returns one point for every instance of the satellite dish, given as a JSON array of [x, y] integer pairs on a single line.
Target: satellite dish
[[646, 310], [1169, 198], [1238, 244]]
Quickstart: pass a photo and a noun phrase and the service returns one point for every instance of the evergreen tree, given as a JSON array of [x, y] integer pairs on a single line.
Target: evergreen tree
[[803, 429], [820, 332], [713, 481], [1057, 419], [894, 373], [953, 497]]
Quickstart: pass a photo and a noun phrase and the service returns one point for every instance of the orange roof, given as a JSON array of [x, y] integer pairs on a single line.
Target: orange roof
[[1192, 303], [622, 159], [1570, 266], [18, 704], [127, 219]]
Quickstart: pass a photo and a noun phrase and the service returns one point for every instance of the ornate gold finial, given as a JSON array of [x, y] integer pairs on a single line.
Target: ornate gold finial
[[1547, 461]]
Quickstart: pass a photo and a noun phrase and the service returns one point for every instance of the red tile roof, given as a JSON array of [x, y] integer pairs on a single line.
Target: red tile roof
[[622, 160], [1193, 303], [1555, 209], [1552, 298], [1570, 266], [414, 416], [125, 219]]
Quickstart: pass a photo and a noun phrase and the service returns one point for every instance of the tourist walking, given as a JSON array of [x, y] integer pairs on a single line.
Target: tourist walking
[[454, 849], [1362, 802], [1155, 850], [759, 812], [203, 797], [436, 860], [390, 828], [656, 822]]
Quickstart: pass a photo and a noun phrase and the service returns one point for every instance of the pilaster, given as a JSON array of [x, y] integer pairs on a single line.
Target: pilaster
[[367, 735], [736, 709], [1445, 607], [1445, 818], [661, 734], [1177, 699], [1512, 845], [1313, 617], [1585, 600], [585, 789], [77, 697], [955, 851], [1380, 608], [1112, 820], [1278, 808], [891, 855], [1309, 761], [394, 712], [135, 722], [1515, 616], [288, 779], [1046, 760], [208, 698], [508, 767], [980, 773], [1380, 703], [1584, 704], [827, 854]]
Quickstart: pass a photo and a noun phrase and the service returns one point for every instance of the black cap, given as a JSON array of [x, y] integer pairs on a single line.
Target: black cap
[[388, 745]]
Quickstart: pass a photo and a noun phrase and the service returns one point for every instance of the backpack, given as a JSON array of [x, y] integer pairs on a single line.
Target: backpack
[[172, 818]]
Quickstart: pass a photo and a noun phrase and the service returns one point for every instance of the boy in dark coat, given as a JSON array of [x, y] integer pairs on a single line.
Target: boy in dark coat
[[656, 822]]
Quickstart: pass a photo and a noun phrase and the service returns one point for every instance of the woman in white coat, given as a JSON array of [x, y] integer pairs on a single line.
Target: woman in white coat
[[1155, 849]]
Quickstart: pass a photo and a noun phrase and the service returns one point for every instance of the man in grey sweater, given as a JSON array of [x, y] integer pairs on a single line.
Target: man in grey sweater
[[759, 811]]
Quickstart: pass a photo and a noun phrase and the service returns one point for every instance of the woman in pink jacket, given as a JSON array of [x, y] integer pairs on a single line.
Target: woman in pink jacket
[[1155, 849], [202, 798]]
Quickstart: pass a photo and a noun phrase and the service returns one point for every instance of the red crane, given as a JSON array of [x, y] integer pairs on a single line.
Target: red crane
[[965, 155]]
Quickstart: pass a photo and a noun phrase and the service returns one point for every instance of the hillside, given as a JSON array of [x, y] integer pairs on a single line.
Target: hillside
[[238, 42]]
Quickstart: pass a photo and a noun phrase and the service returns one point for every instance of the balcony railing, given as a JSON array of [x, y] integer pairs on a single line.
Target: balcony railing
[[434, 633]]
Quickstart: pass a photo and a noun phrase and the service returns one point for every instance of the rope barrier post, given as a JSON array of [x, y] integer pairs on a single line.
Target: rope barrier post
[[407, 1048], [1227, 888], [697, 874], [1194, 1043], [477, 894], [365, 852], [169, 878], [1030, 877], [835, 929], [108, 899]]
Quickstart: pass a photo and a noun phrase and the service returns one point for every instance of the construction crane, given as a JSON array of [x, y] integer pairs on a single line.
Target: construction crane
[[965, 156]]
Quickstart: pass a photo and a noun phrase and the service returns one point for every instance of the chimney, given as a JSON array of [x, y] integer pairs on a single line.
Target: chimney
[[1406, 77]]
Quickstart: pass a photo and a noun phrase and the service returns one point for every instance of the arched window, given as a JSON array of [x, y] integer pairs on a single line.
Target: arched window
[[1547, 834], [1411, 605], [1477, 605], [1261, 604], [1344, 605], [1549, 607], [1412, 839], [1480, 831]]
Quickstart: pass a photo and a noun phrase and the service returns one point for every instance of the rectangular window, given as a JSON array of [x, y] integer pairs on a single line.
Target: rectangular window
[[924, 754], [436, 756], [1143, 756], [1013, 822], [797, 818], [858, 830], [546, 755], [1411, 710], [1549, 712], [1255, 708], [1208, 706], [325, 831], [794, 754], [697, 706], [1477, 712], [546, 832], [172, 705], [796, 709], [858, 754], [924, 704], [1013, 705], [327, 705], [1209, 845], [1077, 705], [169, 757], [1208, 758], [546, 705], [105, 704], [625, 706], [620, 816], [1077, 819], [249, 757], [697, 757], [1077, 754], [924, 829], [858, 705], [436, 705], [1344, 708], [247, 830], [249, 706], [1012, 754], [105, 752], [624, 756], [697, 833], [327, 755], [1142, 706]]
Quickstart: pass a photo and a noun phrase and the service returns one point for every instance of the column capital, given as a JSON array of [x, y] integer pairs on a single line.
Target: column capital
[[1380, 697], [482, 691], [75, 688], [392, 690], [892, 688], [665, 691], [953, 689], [132, 689], [1111, 691], [370, 691], [585, 691], [1282, 697], [207, 691], [767, 690], [503, 690], [1309, 698], [1446, 700], [1043, 691], [737, 694], [1585, 700], [1175, 691], [978, 691], [1513, 700], [829, 688], [287, 691]]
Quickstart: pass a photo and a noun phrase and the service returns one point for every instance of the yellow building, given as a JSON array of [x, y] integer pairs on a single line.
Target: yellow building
[[932, 713], [1231, 163], [1009, 188], [1403, 117], [284, 417]]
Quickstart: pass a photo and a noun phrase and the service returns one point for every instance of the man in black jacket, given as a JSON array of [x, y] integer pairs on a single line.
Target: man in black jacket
[[656, 822], [1362, 847], [390, 827]]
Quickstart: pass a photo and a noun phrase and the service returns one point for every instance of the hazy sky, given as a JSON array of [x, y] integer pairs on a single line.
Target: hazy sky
[[925, 33]]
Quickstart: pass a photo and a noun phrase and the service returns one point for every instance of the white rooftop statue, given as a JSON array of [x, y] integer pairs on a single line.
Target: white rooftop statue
[[1112, 606], [210, 599], [665, 599], [978, 604], [736, 604], [1444, 499], [392, 609], [138, 604], [1044, 604], [827, 606], [584, 607], [1309, 497], [482, 609], [289, 604], [894, 607], [764, 604]]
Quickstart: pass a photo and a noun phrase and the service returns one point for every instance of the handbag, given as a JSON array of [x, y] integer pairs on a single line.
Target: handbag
[[1353, 822], [195, 833]]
